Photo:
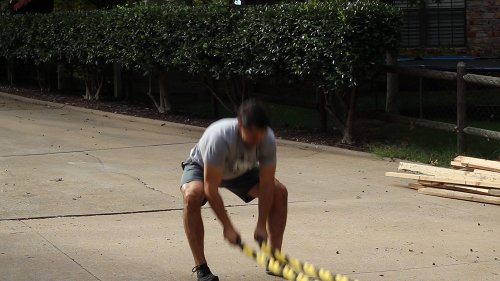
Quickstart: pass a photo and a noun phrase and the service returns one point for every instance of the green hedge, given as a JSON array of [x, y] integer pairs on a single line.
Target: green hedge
[[328, 42]]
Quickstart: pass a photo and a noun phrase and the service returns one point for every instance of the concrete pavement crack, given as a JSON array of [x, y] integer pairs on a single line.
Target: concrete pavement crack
[[96, 149], [97, 158], [92, 214], [143, 183], [61, 251], [125, 212], [128, 175]]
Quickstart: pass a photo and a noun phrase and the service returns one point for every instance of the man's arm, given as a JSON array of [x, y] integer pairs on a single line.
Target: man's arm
[[213, 177], [266, 193]]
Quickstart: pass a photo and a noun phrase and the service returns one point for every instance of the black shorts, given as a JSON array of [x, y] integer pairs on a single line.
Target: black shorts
[[240, 186]]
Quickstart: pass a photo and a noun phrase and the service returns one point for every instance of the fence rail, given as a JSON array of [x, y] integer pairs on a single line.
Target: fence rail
[[421, 72], [461, 78], [482, 80]]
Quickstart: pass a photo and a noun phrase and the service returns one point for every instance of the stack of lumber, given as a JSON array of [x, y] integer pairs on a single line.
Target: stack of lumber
[[469, 178]]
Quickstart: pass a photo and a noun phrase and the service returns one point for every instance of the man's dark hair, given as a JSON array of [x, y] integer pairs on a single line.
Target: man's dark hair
[[252, 113]]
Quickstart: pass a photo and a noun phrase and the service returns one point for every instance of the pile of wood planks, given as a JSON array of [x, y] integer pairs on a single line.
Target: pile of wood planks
[[471, 179]]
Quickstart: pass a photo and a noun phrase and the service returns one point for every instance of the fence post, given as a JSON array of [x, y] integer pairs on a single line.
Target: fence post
[[392, 85], [461, 107], [421, 97]]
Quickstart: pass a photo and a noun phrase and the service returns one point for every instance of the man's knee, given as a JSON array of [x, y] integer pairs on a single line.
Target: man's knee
[[194, 195]]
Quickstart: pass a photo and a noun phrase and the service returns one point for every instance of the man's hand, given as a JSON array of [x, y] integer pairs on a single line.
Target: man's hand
[[231, 235], [260, 234]]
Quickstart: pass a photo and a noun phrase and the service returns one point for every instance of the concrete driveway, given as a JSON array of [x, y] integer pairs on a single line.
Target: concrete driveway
[[88, 196]]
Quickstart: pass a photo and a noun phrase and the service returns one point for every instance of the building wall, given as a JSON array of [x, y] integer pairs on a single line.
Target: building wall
[[483, 27]]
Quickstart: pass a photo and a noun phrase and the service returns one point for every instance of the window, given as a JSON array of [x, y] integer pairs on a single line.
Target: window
[[432, 23]]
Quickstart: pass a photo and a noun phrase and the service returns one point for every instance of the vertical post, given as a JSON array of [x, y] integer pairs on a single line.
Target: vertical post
[[420, 96], [61, 85], [117, 81], [461, 107], [392, 86]]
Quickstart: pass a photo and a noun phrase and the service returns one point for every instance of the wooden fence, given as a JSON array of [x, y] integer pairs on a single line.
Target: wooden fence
[[462, 79]]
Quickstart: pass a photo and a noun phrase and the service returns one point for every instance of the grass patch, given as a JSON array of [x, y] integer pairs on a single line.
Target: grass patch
[[421, 144]]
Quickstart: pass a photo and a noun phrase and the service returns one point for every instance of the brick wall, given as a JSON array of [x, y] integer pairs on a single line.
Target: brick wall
[[483, 27]]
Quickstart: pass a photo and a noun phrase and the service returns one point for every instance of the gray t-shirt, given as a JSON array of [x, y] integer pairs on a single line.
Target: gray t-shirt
[[221, 145]]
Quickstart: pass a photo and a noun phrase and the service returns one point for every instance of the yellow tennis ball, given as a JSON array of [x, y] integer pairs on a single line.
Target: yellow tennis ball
[[274, 266], [288, 273], [247, 250], [266, 248], [279, 256], [309, 269], [261, 259], [295, 263], [302, 277], [340, 277], [325, 275]]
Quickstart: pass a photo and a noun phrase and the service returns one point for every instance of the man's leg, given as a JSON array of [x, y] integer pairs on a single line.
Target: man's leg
[[194, 196], [277, 217], [276, 222]]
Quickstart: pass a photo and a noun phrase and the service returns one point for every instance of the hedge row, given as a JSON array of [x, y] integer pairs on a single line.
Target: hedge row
[[328, 42]]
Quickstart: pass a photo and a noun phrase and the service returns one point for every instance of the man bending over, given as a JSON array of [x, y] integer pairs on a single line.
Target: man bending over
[[238, 154]]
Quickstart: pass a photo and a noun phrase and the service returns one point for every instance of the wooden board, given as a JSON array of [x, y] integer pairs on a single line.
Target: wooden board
[[483, 164], [431, 184], [415, 186], [494, 192], [460, 195], [445, 172], [455, 180], [484, 172], [478, 161], [456, 187], [459, 165]]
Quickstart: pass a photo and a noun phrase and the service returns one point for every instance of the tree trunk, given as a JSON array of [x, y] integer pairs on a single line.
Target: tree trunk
[[347, 136], [10, 71], [43, 77], [126, 84], [230, 90], [211, 85], [39, 77], [99, 82], [163, 106], [215, 107], [117, 81], [52, 76], [164, 100], [88, 90], [94, 82], [87, 84], [61, 77]]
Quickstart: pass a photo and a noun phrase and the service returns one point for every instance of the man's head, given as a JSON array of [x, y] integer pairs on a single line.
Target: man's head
[[252, 122]]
